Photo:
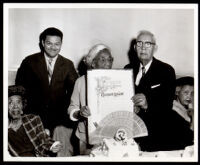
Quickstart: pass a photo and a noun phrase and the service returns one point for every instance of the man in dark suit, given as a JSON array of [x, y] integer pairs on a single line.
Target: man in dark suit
[[155, 89], [49, 80]]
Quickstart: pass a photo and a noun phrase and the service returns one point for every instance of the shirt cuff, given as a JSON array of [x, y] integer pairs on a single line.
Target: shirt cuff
[[72, 114]]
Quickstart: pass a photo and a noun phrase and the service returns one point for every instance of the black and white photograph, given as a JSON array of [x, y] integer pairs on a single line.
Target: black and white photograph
[[100, 82]]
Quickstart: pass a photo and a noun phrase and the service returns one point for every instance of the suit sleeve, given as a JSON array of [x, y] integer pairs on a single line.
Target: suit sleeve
[[21, 74], [75, 101], [72, 76], [161, 100]]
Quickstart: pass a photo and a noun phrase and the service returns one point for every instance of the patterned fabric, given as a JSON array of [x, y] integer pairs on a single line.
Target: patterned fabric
[[143, 71], [143, 74], [50, 69], [20, 142], [37, 135]]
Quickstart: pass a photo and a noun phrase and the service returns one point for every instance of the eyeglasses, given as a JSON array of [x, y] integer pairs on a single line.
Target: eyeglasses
[[146, 44]]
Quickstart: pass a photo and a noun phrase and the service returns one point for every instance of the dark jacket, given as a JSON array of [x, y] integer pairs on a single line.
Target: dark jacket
[[158, 86], [182, 134], [48, 101]]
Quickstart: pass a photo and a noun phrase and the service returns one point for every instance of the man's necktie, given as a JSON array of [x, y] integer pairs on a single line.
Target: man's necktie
[[50, 69], [143, 73]]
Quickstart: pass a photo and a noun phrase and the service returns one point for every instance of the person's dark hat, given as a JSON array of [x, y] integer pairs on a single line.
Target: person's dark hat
[[185, 81], [16, 90]]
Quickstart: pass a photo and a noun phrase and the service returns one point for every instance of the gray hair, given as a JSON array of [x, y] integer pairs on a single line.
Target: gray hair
[[142, 32]]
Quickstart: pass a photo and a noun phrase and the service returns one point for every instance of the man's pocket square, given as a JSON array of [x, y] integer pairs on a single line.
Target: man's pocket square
[[154, 86]]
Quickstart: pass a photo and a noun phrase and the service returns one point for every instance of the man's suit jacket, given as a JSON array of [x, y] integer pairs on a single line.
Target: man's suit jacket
[[158, 85], [37, 135], [48, 101]]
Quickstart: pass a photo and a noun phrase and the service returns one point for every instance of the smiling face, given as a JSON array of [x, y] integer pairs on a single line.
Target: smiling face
[[52, 45], [103, 60], [15, 106], [146, 49], [185, 95]]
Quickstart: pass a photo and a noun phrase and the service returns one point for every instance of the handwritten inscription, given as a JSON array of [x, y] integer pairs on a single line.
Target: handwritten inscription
[[112, 94]]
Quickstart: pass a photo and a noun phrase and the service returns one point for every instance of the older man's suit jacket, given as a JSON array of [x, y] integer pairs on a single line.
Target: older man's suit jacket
[[50, 101], [158, 85], [37, 135]]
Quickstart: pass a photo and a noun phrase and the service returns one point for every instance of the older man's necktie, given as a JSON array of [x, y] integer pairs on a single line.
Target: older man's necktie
[[143, 73], [50, 69]]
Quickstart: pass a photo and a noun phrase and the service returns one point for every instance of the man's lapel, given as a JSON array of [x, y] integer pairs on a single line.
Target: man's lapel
[[42, 70], [57, 72], [148, 76], [135, 70]]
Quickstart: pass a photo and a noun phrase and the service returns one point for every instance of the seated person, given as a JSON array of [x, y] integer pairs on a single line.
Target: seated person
[[26, 135], [183, 113], [99, 57]]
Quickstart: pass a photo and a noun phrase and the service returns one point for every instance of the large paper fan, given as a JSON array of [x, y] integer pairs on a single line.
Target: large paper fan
[[108, 126]]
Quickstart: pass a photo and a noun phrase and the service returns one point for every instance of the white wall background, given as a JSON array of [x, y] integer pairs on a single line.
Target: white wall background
[[173, 28]]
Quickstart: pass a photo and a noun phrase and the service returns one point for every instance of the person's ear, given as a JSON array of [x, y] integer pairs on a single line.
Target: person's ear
[[134, 47], [155, 48], [93, 65], [84, 59], [178, 88], [43, 43]]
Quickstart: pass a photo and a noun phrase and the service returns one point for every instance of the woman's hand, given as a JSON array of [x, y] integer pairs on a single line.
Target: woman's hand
[[85, 111]]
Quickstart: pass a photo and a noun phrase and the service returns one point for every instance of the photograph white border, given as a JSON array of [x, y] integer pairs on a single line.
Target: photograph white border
[[7, 6]]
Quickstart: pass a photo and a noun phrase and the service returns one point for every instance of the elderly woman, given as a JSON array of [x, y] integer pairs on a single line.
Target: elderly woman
[[99, 57], [183, 113], [26, 135]]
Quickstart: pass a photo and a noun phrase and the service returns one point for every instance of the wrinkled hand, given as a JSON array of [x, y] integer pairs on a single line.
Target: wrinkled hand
[[85, 111], [140, 102], [57, 146]]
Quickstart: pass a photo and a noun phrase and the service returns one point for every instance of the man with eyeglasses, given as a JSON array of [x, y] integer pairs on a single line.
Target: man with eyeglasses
[[155, 89]]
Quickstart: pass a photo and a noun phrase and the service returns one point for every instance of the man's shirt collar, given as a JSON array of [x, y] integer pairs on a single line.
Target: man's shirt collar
[[146, 66]]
